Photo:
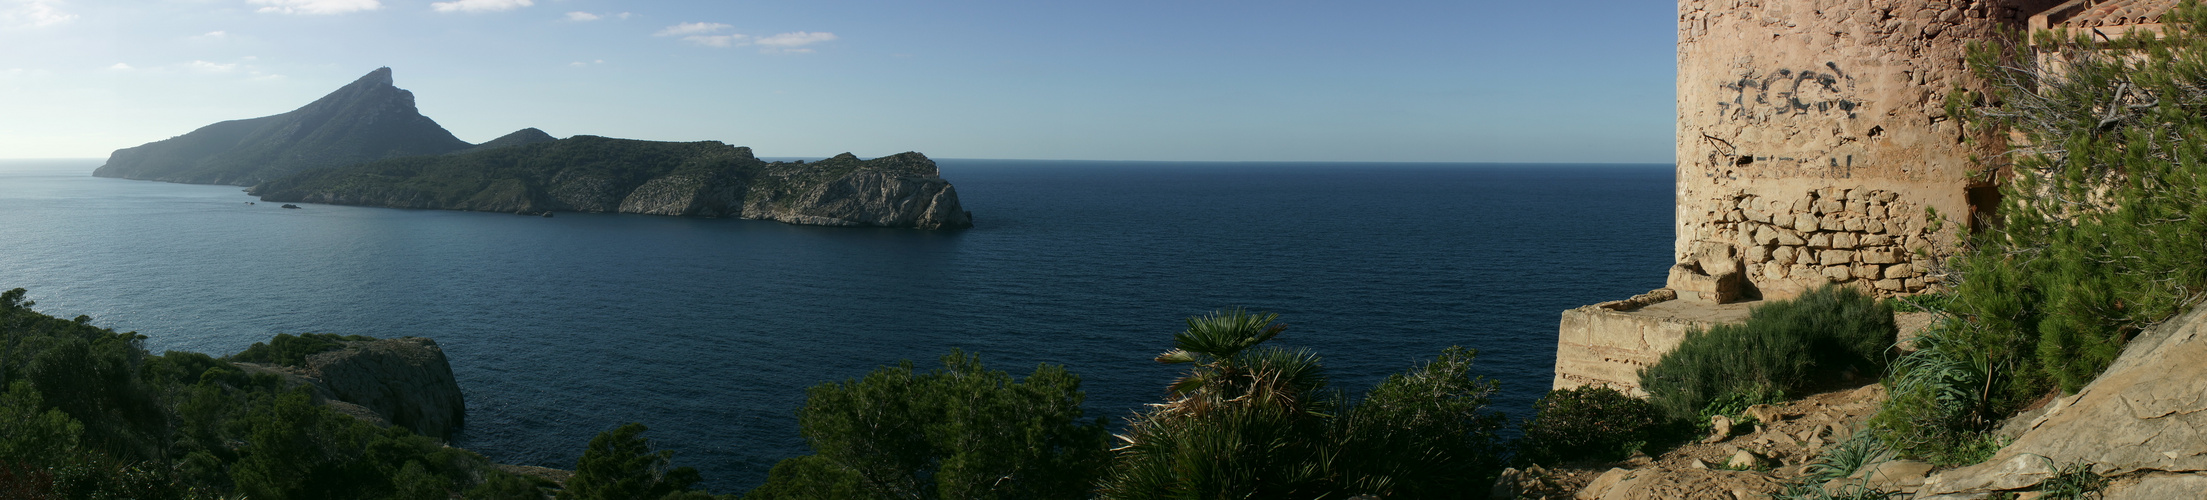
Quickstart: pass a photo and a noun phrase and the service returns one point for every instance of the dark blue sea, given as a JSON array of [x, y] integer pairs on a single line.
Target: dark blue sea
[[710, 330]]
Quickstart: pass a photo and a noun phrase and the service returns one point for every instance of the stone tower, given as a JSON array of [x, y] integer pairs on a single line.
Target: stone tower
[[1814, 144], [1813, 147]]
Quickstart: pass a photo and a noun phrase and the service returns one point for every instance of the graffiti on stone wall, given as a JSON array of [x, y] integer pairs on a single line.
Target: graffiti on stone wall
[[1760, 97], [1784, 92]]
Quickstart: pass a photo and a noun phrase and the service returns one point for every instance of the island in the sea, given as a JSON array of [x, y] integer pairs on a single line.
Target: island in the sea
[[367, 144]]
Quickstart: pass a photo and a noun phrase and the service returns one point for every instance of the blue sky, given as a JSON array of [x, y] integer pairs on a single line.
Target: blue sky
[[1456, 81]]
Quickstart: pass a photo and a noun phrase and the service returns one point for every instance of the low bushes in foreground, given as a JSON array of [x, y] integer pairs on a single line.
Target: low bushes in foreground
[[1251, 421], [960, 431], [1783, 347], [1246, 421], [1589, 423]]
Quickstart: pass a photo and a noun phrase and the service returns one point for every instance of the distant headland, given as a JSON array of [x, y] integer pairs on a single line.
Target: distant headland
[[367, 144]]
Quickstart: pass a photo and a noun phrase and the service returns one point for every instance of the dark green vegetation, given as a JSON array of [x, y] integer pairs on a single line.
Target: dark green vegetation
[[518, 138], [364, 121], [581, 173], [1247, 421], [597, 174], [960, 431], [1838, 462], [1589, 423], [620, 465], [2101, 232], [89, 414], [1826, 335], [1253, 421], [289, 350]]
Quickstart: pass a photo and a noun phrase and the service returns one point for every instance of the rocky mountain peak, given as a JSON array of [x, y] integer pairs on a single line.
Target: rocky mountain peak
[[366, 120]]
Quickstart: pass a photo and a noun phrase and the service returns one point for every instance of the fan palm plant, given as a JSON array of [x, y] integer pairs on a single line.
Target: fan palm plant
[[1231, 371]]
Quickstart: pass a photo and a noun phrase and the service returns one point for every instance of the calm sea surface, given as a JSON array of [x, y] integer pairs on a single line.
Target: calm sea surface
[[709, 331]]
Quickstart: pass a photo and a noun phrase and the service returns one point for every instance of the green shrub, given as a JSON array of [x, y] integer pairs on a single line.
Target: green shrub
[[288, 350], [620, 465], [498, 485], [1783, 347], [1251, 421], [2074, 481], [89, 414], [2102, 228], [961, 431], [1588, 423], [1937, 407]]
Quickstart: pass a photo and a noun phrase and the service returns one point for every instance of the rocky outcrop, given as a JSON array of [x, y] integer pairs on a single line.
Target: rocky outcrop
[[904, 190], [598, 174], [404, 381], [366, 120], [2143, 422]]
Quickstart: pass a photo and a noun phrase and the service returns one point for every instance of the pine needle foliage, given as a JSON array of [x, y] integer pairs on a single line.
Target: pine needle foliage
[[2102, 224]]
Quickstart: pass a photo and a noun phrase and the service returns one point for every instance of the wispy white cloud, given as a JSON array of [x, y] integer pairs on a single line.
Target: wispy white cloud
[[710, 35], [315, 7], [729, 40], [580, 16], [579, 64], [692, 29], [480, 5], [32, 13], [121, 67], [208, 67], [795, 39], [212, 35]]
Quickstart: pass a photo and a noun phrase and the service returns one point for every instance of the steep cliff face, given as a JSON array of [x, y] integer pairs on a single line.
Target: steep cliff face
[[904, 190], [404, 381], [598, 174], [366, 120]]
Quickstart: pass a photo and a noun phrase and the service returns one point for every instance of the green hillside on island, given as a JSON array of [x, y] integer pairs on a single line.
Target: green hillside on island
[[367, 144], [599, 174]]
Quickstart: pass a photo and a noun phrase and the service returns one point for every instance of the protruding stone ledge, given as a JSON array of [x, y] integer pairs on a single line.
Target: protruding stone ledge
[[1608, 343]]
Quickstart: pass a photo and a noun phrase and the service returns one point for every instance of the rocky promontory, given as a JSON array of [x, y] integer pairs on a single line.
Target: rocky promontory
[[402, 381], [600, 174]]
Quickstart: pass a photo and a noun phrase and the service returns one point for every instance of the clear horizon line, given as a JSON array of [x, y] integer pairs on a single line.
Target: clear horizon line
[[809, 158]]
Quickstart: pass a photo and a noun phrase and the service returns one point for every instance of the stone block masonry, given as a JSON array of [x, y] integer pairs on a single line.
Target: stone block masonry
[[1825, 120], [1870, 238]]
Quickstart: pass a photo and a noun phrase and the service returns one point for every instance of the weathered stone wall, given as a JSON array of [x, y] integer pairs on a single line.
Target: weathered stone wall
[[1608, 343], [1812, 135]]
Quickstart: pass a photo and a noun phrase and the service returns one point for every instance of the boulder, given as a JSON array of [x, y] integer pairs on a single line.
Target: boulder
[[1720, 427], [2145, 415], [1669, 484], [1744, 460], [1711, 273], [1895, 475]]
